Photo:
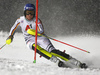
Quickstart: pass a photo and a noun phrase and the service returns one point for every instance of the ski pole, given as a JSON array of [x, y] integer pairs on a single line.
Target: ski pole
[[66, 44], [2, 46]]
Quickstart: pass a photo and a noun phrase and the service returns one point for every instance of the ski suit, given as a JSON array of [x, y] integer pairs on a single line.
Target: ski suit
[[42, 42], [30, 40], [44, 46]]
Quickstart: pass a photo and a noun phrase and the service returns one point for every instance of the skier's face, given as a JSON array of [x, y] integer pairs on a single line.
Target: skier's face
[[30, 15]]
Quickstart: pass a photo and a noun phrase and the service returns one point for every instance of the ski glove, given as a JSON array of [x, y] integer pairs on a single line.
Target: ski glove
[[32, 32], [9, 39]]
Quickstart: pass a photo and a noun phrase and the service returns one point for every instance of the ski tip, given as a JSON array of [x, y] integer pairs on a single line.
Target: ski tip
[[34, 61]]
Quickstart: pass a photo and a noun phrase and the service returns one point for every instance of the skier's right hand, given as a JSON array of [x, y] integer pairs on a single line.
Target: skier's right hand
[[9, 39]]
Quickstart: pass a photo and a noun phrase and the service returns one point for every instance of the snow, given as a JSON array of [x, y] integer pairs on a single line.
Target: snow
[[17, 59]]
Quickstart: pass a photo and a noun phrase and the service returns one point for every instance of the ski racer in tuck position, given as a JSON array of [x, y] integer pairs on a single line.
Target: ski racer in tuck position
[[44, 46]]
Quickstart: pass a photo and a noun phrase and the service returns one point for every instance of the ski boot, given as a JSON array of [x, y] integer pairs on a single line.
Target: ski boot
[[77, 63], [54, 59], [62, 64], [74, 63], [83, 65], [57, 61]]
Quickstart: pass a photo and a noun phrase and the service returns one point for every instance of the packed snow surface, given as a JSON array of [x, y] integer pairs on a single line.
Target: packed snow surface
[[17, 59]]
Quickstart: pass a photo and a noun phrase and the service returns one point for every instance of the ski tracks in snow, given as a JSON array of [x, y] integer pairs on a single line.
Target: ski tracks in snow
[[15, 67]]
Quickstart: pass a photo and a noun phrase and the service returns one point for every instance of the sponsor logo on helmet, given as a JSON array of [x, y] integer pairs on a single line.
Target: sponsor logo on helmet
[[29, 8]]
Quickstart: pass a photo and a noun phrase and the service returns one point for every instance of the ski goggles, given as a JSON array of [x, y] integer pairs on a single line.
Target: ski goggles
[[31, 12]]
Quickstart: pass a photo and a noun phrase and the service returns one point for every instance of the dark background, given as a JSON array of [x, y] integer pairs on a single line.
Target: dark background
[[59, 17]]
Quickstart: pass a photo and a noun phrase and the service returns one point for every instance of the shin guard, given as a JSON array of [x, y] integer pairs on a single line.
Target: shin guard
[[42, 52], [60, 54]]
